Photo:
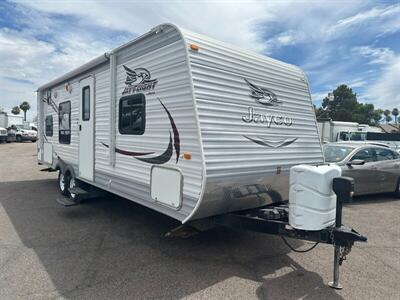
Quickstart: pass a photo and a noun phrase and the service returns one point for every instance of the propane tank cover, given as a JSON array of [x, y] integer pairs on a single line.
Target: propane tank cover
[[312, 201]]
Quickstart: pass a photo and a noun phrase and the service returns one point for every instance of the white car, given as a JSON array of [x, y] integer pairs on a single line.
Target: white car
[[23, 134]]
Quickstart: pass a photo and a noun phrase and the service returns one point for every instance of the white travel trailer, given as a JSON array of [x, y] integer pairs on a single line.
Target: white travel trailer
[[181, 123], [196, 129]]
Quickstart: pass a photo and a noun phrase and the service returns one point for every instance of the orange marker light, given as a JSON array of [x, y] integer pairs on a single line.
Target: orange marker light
[[187, 156], [194, 47]]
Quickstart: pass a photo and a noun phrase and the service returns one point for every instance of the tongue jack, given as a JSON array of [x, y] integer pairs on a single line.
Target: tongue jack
[[344, 189]]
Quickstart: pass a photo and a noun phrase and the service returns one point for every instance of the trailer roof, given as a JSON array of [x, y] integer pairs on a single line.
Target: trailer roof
[[106, 56]]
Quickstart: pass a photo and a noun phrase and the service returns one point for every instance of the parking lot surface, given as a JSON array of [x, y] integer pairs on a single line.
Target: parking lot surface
[[112, 248]]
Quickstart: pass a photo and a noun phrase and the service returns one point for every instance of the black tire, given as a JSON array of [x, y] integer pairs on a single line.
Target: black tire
[[18, 138], [397, 191], [63, 183], [34, 141]]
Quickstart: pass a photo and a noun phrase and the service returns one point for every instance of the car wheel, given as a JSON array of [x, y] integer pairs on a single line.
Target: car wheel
[[397, 192], [19, 139], [33, 141], [63, 183]]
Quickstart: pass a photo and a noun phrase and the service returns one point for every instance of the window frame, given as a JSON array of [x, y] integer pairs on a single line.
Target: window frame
[[143, 125], [374, 159], [64, 138], [87, 87], [393, 153], [49, 133]]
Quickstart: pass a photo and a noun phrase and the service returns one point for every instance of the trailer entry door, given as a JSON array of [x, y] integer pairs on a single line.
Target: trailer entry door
[[86, 129]]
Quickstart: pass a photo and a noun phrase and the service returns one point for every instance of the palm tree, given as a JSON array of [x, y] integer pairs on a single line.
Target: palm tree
[[388, 118], [25, 106], [15, 110], [395, 113]]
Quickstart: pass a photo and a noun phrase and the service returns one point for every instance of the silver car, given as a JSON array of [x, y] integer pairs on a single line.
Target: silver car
[[375, 169]]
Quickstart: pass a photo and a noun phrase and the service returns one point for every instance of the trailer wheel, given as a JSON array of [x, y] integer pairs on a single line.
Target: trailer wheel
[[397, 192], [63, 183]]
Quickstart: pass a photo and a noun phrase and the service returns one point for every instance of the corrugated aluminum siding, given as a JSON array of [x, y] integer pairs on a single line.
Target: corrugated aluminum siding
[[165, 58], [68, 152], [222, 98]]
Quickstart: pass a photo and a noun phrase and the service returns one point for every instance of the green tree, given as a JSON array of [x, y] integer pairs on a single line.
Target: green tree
[[15, 110], [388, 118], [25, 106], [321, 113], [395, 113], [344, 106], [377, 116]]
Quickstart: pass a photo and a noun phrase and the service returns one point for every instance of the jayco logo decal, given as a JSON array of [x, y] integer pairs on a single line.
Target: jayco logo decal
[[138, 80], [262, 95], [267, 98], [267, 119]]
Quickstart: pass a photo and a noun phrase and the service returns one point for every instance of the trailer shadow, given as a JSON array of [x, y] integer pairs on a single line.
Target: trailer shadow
[[114, 248], [373, 198]]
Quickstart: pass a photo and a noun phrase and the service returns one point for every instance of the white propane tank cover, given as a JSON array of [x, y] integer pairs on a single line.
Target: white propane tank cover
[[312, 201]]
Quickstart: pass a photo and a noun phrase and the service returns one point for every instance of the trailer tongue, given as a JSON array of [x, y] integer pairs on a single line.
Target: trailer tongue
[[274, 219]]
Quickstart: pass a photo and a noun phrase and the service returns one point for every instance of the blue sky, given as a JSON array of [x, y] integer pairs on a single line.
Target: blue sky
[[336, 42]]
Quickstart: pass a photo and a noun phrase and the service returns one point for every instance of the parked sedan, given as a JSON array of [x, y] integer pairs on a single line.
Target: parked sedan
[[375, 169]]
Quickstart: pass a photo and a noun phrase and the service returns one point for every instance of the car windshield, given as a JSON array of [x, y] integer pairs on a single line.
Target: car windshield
[[21, 127], [352, 136], [336, 153]]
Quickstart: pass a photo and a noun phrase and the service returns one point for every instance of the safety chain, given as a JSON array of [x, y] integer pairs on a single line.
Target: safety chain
[[330, 230], [344, 251]]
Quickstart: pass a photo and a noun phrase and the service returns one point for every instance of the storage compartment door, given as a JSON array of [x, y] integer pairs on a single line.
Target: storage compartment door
[[166, 186], [48, 153]]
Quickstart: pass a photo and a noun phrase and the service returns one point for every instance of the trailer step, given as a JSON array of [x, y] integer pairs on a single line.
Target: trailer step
[[88, 193], [78, 191], [66, 201], [48, 170]]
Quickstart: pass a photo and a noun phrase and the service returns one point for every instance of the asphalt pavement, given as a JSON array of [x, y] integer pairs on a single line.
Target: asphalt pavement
[[112, 248]]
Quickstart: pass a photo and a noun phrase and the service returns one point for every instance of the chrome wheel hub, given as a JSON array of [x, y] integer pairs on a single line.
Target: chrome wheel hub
[[62, 182], [72, 184]]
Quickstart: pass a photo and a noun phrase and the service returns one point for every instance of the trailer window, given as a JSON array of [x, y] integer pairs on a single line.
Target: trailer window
[[132, 114], [49, 125], [64, 119], [86, 103]]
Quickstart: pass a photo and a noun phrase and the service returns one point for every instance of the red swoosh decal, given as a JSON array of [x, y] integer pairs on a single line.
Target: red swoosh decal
[[161, 159], [129, 153], [177, 142]]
